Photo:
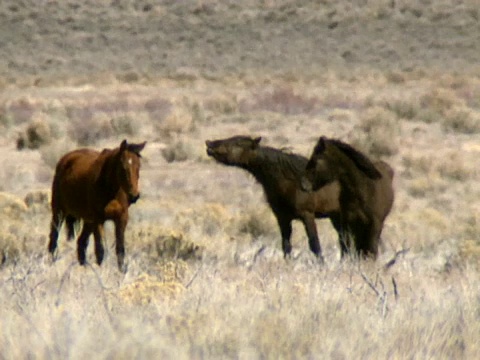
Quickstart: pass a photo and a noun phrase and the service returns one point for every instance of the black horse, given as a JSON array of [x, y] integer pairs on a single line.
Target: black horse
[[280, 174], [366, 195]]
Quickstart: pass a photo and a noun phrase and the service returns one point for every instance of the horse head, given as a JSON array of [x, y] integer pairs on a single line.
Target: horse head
[[332, 158], [236, 150], [317, 171], [129, 169]]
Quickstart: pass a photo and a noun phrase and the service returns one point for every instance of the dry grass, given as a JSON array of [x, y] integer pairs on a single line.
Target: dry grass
[[204, 253], [206, 276]]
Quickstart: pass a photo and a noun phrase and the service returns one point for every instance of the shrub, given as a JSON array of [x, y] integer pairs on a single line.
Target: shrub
[[452, 166], [449, 166], [221, 104], [89, 130], [125, 124], [179, 120], [158, 108], [423, 186], [280, 100], [257, 223], [379, 129], [429, 116], [404, 109], [439, 100], [147, 289], [174, 245], [462, 119], [11, 205], [37, 198], [178, 151], [340, 115], [54, 151], [10, 251], [36, 135], [20, 110]]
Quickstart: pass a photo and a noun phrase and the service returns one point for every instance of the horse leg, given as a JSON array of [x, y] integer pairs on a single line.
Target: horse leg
[[311, 229], [285, 225], [120, 225], [82, 242], [55, 226], [369, 246], [343, 237], [98, 235], [70, 222]]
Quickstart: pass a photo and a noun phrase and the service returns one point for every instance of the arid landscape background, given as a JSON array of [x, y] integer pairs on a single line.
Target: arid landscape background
[[206, 277]]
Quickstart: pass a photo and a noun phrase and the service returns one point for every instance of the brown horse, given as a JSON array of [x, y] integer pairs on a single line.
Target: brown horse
[[94, 187], [280, 174], [366, 195]]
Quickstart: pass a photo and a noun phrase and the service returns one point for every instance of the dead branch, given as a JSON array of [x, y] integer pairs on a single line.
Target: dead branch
[[392, 262], [104, 298], [382, 296], [62, 281], [370, 284], [194, 276], [395, 291]]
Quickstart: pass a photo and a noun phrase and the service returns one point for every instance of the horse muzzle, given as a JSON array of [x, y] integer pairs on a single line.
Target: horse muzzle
[[132, 198]]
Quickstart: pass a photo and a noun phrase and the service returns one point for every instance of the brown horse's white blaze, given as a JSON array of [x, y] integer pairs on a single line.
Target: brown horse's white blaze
[[95, 187]]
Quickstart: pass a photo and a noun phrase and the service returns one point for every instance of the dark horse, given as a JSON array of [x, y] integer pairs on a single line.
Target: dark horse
[[280, 174], [366, 195], [94, 187]]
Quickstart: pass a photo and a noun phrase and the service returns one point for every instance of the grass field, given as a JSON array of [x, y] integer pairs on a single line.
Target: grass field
[[206, 276]]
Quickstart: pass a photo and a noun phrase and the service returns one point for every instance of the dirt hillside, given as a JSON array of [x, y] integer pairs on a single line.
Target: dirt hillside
[[49, 41]]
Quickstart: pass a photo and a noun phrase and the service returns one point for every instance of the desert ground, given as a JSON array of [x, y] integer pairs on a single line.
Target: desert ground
[[206, 278]]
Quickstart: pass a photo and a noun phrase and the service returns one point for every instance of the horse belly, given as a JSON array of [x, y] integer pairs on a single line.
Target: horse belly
[[327, 199], [75, 201], [73, 189]]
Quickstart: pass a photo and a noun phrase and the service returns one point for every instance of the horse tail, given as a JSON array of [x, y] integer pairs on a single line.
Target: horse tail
[[70, 221], [385, 168]]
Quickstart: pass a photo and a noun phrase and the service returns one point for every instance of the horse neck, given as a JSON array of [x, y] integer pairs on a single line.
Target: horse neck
[[108, 179], [355, 159], [348, 168], [270, 165]]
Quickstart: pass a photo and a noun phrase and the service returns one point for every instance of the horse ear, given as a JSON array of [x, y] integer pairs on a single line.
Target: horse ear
[[321, 145], [137, 148], [123, 145], [256, 141]]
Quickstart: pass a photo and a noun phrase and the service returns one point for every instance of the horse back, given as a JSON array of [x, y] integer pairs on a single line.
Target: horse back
[[73, 189], [77, 160]]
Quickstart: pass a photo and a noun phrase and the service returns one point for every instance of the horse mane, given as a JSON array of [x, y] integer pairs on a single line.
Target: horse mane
[[359, 159], [282, 162], [107, 162]]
